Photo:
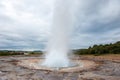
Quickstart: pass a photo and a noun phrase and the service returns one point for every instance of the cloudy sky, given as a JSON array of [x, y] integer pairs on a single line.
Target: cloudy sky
[[26, 24]]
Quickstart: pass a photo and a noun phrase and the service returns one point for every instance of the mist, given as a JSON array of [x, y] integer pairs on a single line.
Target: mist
[[58, 44]]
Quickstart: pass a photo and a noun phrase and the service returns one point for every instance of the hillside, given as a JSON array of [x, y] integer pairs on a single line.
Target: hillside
[[112, 48]]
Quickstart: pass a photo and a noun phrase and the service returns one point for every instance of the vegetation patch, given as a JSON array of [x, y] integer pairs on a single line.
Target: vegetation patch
[[100, 49]]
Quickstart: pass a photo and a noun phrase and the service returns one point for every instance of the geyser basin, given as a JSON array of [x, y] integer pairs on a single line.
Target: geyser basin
[[80, 65]]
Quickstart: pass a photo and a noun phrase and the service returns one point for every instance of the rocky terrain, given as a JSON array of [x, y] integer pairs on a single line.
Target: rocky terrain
[[9, 70]]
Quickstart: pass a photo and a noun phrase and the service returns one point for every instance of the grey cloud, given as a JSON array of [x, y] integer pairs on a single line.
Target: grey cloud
[[5, 19], [96, 22], [16, 42]]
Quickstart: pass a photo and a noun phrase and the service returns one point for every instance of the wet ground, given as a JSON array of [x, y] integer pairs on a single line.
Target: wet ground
[[9, 70]]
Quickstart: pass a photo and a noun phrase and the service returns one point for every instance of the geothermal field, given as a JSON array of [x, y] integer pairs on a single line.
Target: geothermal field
[[93, 68], [58, 62]]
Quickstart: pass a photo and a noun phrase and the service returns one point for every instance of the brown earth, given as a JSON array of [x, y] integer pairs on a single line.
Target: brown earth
[[108, 69]]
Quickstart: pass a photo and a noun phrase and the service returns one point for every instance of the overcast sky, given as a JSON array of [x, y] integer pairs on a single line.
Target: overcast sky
[[25, 24]]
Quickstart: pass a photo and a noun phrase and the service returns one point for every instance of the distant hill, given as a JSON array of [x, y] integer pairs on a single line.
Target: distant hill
[[112, 48], [12, 52]]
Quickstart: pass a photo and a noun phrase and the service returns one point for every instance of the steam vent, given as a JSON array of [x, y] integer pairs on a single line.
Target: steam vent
[[79, 65]]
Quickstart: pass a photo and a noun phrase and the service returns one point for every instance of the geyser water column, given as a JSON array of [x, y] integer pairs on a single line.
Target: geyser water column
[[58, 43]]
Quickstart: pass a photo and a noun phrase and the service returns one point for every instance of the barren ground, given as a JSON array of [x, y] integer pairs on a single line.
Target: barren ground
[[109, 69]]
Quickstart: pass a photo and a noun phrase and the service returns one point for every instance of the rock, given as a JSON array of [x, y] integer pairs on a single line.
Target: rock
[[8, 71]]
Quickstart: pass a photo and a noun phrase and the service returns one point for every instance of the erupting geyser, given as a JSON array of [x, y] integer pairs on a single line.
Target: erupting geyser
[[58, 44]]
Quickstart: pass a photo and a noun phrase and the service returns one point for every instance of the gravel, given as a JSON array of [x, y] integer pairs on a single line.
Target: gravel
[[109, 70]]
